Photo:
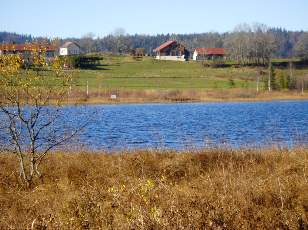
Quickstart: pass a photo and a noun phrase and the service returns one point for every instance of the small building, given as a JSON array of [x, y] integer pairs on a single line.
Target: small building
[[172, 51], [26, 50], [138, 52], [69, 48], [201, 54]]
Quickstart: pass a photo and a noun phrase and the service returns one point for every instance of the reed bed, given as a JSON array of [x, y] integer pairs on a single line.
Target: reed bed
[[145, 189], [79, 96]]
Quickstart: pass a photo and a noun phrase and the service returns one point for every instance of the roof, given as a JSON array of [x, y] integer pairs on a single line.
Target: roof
[[26, 47], [211, 51], [67, 44], [164, 45]]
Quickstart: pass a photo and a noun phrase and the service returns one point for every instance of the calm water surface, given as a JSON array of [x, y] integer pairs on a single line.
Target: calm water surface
[[198, 125]]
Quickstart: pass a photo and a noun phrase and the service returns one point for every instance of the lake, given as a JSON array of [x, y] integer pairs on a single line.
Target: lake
[[191, 125]]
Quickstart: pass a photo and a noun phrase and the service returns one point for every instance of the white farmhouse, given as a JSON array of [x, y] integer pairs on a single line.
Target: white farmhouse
[[172, 51], [69, 48]]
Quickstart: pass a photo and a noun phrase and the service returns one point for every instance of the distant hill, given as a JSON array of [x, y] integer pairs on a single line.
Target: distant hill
[[7, 37]]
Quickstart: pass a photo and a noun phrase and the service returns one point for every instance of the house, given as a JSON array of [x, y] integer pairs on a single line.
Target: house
[[70, 48], [172, 51], [26, 50], [138, 52], [208, 53]]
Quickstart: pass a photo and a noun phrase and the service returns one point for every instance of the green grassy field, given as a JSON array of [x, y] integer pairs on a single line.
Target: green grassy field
[[125, 72], [150, 80]]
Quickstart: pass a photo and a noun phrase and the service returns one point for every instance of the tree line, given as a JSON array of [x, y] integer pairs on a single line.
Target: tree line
[[277, 79], [247, 44]]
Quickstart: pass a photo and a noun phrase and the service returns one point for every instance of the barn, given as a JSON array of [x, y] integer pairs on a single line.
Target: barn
[[172, 51], [70, 48], [208, 54]]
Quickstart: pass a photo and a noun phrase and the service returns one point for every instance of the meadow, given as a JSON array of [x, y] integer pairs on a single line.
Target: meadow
[[206, 189], [150, 80], [126, 73]]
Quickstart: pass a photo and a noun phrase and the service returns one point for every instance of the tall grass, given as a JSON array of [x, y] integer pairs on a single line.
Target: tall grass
[[155, 95], [210, 189]]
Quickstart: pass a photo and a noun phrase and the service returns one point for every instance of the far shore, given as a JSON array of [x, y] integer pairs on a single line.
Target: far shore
[[183, 97], [165, 96]]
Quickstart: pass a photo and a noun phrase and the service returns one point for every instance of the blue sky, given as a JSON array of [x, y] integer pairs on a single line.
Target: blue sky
[[68, 18]]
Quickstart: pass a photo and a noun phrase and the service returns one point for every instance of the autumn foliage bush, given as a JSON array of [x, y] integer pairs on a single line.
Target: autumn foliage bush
[[208, 189]]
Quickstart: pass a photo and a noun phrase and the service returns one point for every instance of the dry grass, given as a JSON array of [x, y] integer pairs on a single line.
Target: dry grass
[[210, 189], [210, 95]]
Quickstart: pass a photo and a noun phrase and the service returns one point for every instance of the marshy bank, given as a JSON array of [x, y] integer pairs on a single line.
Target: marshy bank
[[213, 189], [126, 96]]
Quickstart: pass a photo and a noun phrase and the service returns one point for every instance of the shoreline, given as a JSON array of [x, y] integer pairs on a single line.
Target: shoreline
[[169, 96], [120, 101], [156, 96]]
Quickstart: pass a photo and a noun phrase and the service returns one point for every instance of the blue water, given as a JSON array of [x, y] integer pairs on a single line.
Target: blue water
[[181, 126], [197, 125]]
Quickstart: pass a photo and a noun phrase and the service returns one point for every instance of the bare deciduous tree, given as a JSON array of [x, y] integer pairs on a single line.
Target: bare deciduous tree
[[251, 45], [301, 47], [87, 42], [29, 125]]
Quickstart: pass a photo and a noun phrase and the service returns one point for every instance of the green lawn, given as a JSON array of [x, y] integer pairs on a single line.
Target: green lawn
[[126, 73]]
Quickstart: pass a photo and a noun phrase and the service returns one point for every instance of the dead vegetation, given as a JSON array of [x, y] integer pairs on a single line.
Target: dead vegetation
[[209, 189], [166, 96]]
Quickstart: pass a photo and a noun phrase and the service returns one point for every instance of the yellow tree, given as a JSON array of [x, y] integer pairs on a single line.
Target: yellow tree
[[28, 121]]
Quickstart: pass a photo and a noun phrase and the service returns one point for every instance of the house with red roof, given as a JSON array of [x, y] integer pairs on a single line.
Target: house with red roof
[[25, 50], [208, 53], [172, 51]]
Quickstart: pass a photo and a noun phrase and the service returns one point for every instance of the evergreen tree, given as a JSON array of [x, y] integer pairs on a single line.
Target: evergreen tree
[[292, 82], [231, 83], [273, 80], [288, 81], [291, 79], [283, 84], [265, 82]]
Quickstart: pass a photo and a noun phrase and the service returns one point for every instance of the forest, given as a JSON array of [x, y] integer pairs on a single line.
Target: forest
[[254, 43]]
